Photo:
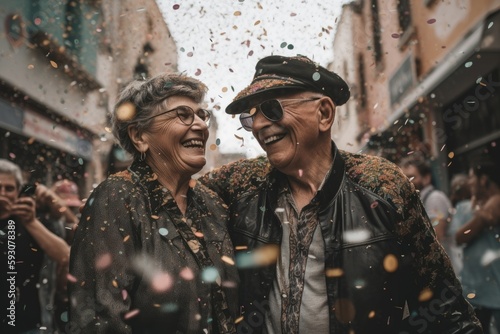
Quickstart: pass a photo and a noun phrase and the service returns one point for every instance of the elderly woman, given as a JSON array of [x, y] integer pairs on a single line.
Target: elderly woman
[[151, 253], [23, 242]]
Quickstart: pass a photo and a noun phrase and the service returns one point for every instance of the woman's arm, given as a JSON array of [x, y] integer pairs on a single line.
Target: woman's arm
[[488, 215]]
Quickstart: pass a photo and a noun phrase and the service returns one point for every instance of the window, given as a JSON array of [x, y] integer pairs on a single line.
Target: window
[[377, 46], [404, 15], [362, 81]]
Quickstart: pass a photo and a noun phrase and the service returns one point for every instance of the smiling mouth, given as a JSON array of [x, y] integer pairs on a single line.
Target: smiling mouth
[[193, 143], [273, 139]]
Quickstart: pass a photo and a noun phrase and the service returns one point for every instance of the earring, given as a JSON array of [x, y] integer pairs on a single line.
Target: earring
[[143, 156]]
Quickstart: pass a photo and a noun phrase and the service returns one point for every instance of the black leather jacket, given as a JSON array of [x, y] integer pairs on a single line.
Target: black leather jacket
[[398, 280]]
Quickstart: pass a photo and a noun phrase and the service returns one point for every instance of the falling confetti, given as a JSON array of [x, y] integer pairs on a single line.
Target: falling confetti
[[176, 6], [425, 295], [103, 261], [124, 294], [125, 111], [210, 274], [186, 274], [431, 21], [162, 282], [240, 138], [53, 64], [227, 259], [71, 278], [390, 263], [395, 35], [359, 235], [237, 13], [334, 272], [131, 314]]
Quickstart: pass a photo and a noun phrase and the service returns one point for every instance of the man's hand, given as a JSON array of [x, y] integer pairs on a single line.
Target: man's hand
[[24, 209], [5, 207]]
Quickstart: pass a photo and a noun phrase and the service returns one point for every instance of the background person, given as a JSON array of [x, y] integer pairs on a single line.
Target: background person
[[437, 205], [151, 252], [354, 251], [460, 198], [32, 240], [481, 255]]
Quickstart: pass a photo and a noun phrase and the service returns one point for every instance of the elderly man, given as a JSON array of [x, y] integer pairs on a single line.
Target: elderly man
[[328, 241]]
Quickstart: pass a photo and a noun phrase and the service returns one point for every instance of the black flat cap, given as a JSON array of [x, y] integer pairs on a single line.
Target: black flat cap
[[275, 75]]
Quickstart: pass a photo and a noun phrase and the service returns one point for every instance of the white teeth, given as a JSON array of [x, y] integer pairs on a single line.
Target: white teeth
[[271, 139], [193, 143]]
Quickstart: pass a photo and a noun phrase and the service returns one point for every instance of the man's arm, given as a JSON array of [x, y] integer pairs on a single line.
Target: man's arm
[[439, 306], [231, 180], [54, 246]]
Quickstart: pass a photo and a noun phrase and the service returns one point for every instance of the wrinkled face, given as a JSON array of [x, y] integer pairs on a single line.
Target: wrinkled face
[[8, 193], [415, 177], [288, 142], [180, 148]]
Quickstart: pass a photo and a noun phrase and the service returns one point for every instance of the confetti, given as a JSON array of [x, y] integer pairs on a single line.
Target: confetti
[[53, 64], [395, 35], [390, 263], [161, 282], [354, 236], [431, 21], [131, 314], [237, 13], [425, 295], [176, 6], [186, 274], [125, 111], [227, 259], [103, 261], [210, 274], [71, 278], [334, 272]]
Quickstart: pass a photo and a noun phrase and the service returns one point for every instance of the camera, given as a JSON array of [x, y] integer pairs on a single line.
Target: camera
[[28, 190]]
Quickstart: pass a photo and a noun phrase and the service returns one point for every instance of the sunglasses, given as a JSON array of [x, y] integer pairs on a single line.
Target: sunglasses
[[186, 114], [271, 109]]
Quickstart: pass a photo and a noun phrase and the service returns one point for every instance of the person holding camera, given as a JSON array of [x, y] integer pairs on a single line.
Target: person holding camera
[[23, 242]]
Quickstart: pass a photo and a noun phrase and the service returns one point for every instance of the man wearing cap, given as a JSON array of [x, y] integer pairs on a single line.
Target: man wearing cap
[[355, 250]]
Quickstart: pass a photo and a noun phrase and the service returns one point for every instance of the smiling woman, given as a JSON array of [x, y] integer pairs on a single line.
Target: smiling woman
[[160, 256]]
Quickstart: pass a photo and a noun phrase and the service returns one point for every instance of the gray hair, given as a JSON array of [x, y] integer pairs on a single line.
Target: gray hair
[[10, 168], [143, 99]]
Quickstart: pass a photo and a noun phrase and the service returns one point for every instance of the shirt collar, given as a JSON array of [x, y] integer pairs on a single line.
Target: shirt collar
[[159, 195]]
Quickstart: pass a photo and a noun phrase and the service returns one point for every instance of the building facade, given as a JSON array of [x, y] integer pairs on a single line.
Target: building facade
[[425, 75], [62, 64]]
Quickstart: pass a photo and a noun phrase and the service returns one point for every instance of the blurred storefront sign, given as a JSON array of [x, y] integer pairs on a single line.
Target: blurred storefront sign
[[53, 134], [403, 79]]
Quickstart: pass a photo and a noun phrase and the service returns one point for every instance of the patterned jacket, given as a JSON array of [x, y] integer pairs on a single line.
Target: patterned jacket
[[398, 280], [138, 267]]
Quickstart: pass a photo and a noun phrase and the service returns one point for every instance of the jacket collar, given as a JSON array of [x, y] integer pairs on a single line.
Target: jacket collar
[[158, 194], [327, 192]]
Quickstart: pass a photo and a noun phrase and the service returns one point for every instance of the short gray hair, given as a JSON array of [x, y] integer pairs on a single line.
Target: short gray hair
[[10, 168], [146, 98]]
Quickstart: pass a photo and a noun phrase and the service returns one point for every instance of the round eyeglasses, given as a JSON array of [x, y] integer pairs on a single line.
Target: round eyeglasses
[[186, 114], [271, 109]]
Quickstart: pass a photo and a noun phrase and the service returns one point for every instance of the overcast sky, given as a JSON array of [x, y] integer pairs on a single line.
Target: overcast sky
[[219, 42]]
